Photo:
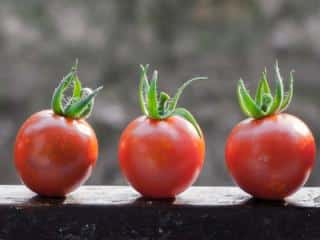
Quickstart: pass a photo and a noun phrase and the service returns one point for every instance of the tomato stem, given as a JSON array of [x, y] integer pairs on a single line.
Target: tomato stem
[[80, 104], [265, 104], [162, 106]]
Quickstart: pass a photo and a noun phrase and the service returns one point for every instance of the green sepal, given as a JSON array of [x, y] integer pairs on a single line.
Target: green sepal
[[80, 104], [58, 94], [161, 106], [263, 88], [163, 102], [76, 95], [86, 112], [265, 103], [247, 104], [143, 88], [279, 93], [182, 112], [83, 107], [153, 97]]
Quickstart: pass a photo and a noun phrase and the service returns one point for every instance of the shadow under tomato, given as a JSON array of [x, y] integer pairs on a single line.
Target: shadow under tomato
[[147, 201], [254, 202], [42, 200]]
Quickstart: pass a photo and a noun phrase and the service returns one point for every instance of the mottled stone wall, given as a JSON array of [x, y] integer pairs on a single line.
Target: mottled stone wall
[[222, 39]]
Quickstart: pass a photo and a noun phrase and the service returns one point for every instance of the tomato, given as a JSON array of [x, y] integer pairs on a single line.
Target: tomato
[[271, 154], [161, 153], [55, 155], [56, 150], [271, 158], [161, 158]]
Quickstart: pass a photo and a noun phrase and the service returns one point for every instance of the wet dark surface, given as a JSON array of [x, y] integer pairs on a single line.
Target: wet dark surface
[[119, 213]]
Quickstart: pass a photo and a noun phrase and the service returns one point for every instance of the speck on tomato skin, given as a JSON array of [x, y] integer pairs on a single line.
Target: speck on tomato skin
[[271, 158]]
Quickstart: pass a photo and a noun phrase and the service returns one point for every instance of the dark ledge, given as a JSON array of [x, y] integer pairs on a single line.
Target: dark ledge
[[119, 213]]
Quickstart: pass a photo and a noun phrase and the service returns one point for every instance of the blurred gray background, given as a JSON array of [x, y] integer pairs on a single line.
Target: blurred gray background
[[221, 39]]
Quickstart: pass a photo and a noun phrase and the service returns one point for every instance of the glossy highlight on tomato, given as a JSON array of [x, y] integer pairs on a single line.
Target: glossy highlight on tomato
[[56, 150], [162, 152], [270, 155]]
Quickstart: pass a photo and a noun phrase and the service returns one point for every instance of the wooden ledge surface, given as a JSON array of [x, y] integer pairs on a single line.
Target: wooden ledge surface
[[117, 212], [20, 196]]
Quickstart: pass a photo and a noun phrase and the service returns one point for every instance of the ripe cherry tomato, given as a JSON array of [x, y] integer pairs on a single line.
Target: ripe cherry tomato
[[271, 154], [56, 150], [271, 157], [54, 155], [161, 158], [161, 154]]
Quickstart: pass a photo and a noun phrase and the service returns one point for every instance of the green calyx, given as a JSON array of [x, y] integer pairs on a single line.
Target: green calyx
[[80, 104], [162, 106], [265, 104]]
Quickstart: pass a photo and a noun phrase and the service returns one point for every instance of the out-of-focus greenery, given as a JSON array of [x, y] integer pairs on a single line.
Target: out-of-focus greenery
[[221, 39]]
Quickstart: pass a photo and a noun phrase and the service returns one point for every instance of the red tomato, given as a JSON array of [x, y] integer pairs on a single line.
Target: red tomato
[[53, 154], [161, 158], [270, 158]]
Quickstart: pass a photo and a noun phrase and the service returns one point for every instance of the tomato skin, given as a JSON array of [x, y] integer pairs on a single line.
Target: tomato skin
[[271, 158], [55, 155], [161, 158]]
